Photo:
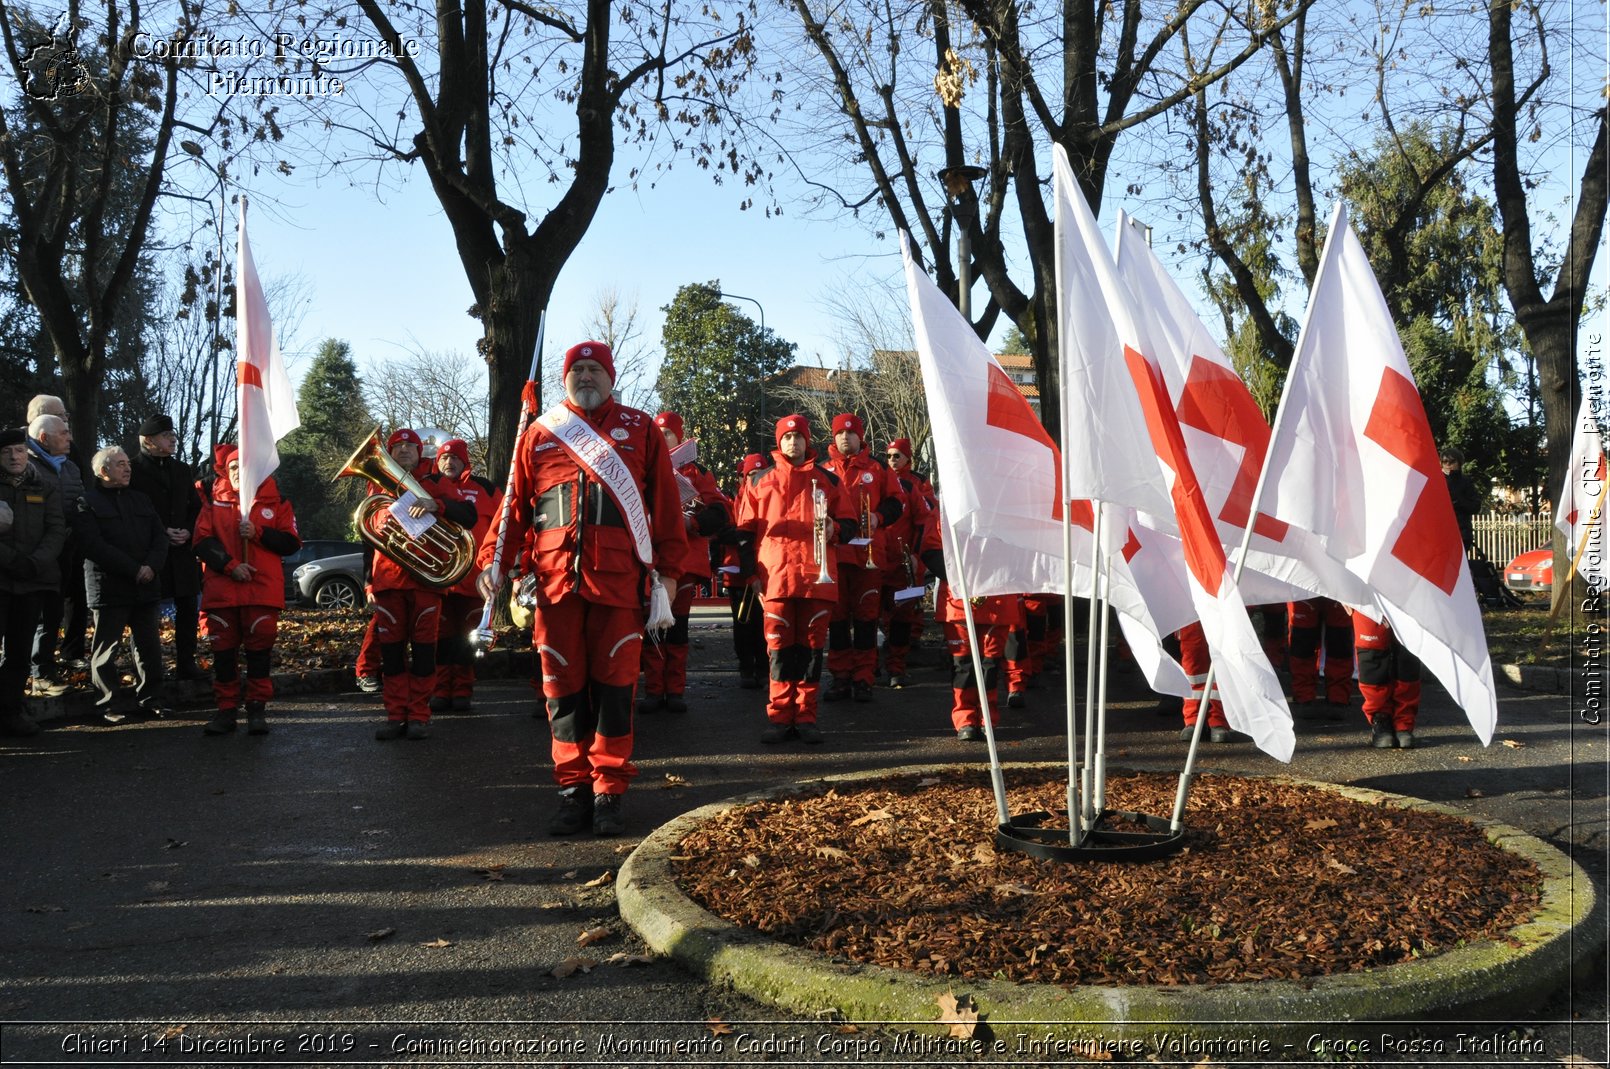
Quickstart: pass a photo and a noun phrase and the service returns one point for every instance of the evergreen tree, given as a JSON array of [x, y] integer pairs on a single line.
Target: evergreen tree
[[335, 420], [716, 363]]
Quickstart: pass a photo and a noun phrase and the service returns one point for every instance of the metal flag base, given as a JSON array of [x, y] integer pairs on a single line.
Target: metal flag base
[[1025, 834]]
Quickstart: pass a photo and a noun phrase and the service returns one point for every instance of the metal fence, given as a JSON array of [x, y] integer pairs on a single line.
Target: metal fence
[[1503, 536]]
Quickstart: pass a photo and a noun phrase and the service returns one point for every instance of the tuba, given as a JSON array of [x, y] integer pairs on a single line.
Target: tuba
[[441, 556]]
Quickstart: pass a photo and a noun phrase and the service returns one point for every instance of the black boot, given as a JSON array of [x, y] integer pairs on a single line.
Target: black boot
[[222, 723], [575, 811], [256, 718]]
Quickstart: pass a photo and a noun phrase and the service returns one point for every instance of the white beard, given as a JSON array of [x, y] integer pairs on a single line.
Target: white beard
[[587, 398]]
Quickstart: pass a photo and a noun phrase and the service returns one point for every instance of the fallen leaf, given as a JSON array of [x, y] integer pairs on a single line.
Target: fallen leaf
[[490, 875], [846, 1030], [832, 852], [983, 853], [961, 1013], [571, 966], [604, 880], [1466, 759], [928, 781], [1014, 889], [1320, 825], [626, 848], [592, 935], [382, 933], [752, 861], [47, 909], [437, 943], [174, 844], [870, 816], [1475, 792], [718, 1027], [1332, 863], [571, 875], [1515, 744], [620, 957], [673, 780], [174, 1031]]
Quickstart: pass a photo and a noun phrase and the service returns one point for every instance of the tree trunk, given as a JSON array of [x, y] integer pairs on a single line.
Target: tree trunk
[[519, 291]]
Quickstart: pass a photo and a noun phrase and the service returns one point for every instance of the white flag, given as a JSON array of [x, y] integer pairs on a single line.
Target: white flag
[[266, 403], [1227, 437], [1003, 501], [1580, 516], [1352, 461], [1132, 452]]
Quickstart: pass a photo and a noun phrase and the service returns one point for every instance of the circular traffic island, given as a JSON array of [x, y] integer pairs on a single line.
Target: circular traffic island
[[881, 898]]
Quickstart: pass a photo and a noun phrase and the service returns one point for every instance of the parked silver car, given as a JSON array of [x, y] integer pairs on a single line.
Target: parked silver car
[[331, 582]]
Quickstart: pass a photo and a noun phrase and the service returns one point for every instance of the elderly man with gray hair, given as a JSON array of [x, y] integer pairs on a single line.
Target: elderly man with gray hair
[[49, 441], [125, 545]]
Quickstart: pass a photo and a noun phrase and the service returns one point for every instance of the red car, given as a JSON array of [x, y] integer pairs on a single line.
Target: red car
[[1531, 571]]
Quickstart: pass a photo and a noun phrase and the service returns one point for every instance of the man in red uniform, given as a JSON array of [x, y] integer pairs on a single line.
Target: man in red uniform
[[743, 594], [1389, 680], [595, 493], [461, 606], [704, 513], [1308, 619], [242, 589], [408, 614], [777, 514], [367, 666], [852, 638], [902, 562]]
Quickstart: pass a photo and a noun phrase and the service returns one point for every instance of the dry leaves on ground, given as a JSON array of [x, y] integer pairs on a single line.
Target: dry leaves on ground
[[1277, 881], [960, 1013]]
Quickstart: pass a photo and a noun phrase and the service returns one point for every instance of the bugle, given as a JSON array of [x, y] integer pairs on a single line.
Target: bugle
[[819, 544], [867, 532]]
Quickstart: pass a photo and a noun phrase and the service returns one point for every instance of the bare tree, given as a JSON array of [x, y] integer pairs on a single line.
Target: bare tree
[[434, 389]]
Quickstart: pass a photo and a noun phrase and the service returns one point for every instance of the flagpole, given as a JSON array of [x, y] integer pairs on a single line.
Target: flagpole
[[1100, 803], [1088, 813], [1562, 590], [1069, 660], [483, 637], [244, 498], [997, 780]]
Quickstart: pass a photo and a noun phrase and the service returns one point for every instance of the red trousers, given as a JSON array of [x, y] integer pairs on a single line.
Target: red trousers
[[796, 628], [228, 630], [852, 637], [1388, 674], [902, 620], [407, 623], [455, 657], [368, 665], [1194, 659], [665, 662], [1308, 619], [590, 656], [966, 709]]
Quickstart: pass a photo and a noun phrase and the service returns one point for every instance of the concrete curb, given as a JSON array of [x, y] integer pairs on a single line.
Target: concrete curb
[[1484, 977], [197, 694]]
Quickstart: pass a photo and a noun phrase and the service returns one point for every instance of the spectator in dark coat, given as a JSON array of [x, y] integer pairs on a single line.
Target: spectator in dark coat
[[1467, 500], [171, 486], [124, 546], [31, 535], [50, 439]]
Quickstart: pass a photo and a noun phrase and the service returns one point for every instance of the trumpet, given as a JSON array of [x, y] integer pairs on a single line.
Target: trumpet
[[819, 545], [867, 532]]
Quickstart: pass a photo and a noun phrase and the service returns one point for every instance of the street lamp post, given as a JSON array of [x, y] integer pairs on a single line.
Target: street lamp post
[[964, 208], [761, 385]]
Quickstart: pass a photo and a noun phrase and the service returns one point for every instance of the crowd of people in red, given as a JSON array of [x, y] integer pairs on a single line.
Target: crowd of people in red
[[608, 510]]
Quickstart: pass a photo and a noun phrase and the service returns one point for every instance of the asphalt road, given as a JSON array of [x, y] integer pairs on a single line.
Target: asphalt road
[[315, 896]]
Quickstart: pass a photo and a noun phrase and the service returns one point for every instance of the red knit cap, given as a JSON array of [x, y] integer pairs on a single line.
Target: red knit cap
[[403, 434], [454, 447], [222, 454], [671, 422], [900, 445], [590, 350], [795, 422], [752, 463], [849, 421]]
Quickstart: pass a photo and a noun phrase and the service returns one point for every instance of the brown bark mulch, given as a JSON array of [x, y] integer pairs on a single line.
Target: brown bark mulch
[[1276, 881]]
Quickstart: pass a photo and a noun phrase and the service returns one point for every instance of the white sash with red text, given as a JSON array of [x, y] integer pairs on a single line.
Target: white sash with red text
[[599, 459]]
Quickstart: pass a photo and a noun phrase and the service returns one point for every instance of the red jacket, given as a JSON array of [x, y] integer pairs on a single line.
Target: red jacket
[[871, 487], [572, 531], [387, 574], [777, 508], [901, 541], [708, 515], [218, 545], [485, 498]]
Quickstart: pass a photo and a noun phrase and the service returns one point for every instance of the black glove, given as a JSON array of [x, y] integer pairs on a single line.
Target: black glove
[[23, 568]]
